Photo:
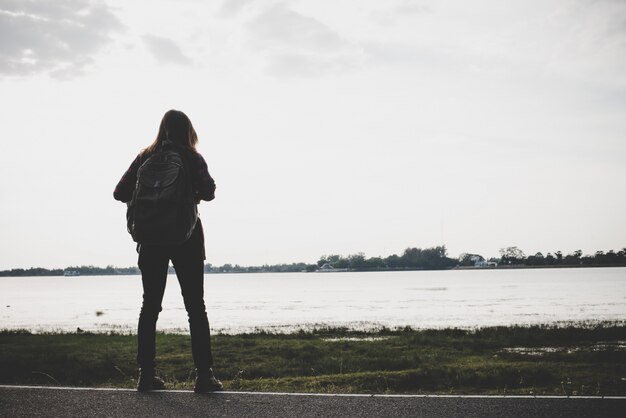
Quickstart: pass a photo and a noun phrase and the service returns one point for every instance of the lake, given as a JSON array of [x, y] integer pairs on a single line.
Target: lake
[[285, 302]]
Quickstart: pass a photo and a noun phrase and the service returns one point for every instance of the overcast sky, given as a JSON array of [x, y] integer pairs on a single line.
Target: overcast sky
[[329, 127]]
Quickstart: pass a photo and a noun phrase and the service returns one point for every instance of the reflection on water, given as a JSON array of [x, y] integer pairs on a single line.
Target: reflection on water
[[288, 301]]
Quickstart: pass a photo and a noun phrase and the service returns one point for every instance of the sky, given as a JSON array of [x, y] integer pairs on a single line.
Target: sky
[[329, 127]]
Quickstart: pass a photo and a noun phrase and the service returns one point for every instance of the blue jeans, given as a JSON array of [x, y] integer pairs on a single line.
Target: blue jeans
[[188, 261]]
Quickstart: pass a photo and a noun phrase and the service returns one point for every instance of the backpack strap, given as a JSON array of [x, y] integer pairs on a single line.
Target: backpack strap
[[184, 154]]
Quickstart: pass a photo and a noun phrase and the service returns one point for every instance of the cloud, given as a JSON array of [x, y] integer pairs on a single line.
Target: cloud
[[391, 12], [408, 7], [166, 51], [581, 41], [59, 37], [309, 65], [409, 54], [230, 8], [282, 27], [299, 45]]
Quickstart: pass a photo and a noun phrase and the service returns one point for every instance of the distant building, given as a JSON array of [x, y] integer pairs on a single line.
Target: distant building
[[327, 268], [480, 262]]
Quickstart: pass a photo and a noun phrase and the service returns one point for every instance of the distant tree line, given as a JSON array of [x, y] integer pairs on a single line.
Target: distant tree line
[[81, 270], [33, 271], [411, 259], [276, 268], [515, 256], [434, 258]]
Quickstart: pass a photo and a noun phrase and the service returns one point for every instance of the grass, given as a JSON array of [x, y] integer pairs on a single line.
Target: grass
[[580, 360]]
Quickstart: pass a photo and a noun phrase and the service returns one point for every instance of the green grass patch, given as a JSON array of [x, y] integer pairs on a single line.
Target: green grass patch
[[500, 360]]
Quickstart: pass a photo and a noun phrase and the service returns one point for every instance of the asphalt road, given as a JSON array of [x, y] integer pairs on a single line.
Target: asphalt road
[[18, 401]]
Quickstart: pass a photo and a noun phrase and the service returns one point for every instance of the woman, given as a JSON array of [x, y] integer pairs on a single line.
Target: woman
[[187, 258]]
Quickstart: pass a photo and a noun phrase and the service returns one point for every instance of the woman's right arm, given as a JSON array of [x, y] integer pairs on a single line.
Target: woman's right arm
[[204, 185]]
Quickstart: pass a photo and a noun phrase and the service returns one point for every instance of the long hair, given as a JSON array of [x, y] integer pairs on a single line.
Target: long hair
[[176, 127]]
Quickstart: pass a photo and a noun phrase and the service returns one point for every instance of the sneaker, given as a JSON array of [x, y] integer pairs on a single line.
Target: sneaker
[[148, 381], [207, 382]]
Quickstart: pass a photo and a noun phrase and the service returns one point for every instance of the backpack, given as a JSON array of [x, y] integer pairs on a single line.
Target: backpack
[[163, 210]]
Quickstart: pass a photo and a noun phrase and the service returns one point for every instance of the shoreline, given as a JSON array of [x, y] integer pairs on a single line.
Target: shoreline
[[322, 329], [456, 268]]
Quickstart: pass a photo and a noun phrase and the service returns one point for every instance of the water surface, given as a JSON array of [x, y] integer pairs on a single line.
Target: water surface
[[288, 301]]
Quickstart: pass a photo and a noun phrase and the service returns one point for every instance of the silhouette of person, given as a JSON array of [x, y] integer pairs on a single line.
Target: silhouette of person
[[187, 258]]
